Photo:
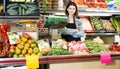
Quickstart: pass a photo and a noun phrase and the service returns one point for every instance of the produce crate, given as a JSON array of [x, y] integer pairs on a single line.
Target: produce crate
[[22, 8]]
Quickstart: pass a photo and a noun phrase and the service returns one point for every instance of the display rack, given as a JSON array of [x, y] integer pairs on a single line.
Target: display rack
[[61, 58]]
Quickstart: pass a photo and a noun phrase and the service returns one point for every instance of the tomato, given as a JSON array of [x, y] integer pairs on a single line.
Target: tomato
[[26, 35]]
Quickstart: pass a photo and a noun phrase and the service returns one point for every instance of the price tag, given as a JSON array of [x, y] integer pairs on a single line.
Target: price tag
[[105, 57], [32, 61]]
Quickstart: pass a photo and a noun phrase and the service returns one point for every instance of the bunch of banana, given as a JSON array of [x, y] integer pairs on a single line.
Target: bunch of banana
[[1, 8]]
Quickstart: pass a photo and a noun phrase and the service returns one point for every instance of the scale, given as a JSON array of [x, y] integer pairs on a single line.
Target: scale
[[52, 24]]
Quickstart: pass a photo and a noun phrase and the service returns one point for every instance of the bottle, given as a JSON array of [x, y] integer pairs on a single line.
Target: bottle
[[60, 4]]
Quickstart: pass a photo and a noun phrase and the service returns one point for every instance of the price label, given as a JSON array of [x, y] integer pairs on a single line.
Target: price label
[[105, 57], [32, 61]]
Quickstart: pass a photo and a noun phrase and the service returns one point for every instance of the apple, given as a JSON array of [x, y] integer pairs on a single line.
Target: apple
[[35, 50], [33, 45], [12, 50], [24, 39], [15, 56], [26, 35]]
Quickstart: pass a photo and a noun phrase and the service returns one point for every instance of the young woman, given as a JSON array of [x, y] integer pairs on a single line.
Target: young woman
[[73, 30]]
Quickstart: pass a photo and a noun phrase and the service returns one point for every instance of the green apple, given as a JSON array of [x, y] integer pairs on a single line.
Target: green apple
[[24, 39], [15, 56], [33, 45], [35, 50]]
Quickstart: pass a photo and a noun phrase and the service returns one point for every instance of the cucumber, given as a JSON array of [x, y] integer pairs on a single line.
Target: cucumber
[[12, 5], [13, 13], [20, 10], [23, 11], [31, 6], [23, 6]]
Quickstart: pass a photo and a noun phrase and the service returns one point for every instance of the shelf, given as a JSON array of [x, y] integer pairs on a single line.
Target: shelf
[[90, 12], [17, 61], [108, 33], [19, 17], [52, 59]]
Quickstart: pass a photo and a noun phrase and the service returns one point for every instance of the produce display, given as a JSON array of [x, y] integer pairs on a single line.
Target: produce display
[[26, 45], [78, 47], [22, 8], [95, 47], [96, 23], [116, 22], [59, 47], [107, 25], [4, 41], [115, 47]]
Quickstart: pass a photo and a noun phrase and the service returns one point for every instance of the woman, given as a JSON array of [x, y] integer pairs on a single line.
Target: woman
[[73, 30]]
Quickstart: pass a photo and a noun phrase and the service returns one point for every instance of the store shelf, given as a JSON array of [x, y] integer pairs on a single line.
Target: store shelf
[[100, 33], [52, 59], [19, 17], [90, 12], [18, 61]]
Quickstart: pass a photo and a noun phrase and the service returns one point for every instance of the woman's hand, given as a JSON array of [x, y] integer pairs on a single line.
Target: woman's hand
[[76, 30]]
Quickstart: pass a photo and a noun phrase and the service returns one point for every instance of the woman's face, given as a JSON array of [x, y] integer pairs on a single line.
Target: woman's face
[[71, 10]]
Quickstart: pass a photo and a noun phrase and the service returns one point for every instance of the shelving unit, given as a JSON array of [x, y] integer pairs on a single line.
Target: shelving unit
[[62, 58]]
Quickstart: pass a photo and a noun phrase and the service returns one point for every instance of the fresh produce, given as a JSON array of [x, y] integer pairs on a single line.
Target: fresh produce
[[107, 25], [96, 23], [78, 47], [114, 47], [44, 46], [13, 37], [22, 9], [4, 45], [98, 40], [59, 48], [116, 22], [26, 46], [95, 47]]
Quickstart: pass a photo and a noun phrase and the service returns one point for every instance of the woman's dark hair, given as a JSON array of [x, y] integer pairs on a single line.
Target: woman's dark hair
[[71, 3]]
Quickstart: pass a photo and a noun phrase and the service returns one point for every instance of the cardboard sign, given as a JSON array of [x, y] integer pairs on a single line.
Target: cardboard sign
[[105, 57], [32, 61]]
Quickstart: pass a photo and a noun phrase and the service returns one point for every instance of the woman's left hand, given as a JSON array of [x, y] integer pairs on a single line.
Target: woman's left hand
[[76, 30]]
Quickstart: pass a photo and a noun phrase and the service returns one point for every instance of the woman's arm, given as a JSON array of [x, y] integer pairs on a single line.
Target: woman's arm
[[67, 31], [79, 27]]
